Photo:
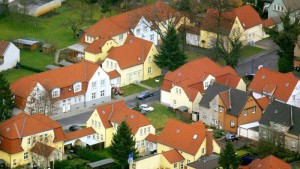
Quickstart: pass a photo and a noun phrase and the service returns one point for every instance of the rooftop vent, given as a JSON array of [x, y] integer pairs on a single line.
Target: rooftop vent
[[103, 111], [195, 136], [130, 41], [139, 58], [132, 116], [179, 74], [7, 129], [287, 84], [263, 76], [177, 131]]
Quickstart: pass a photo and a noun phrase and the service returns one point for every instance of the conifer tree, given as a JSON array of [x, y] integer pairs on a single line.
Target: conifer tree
[[6, 99], [228, 157]]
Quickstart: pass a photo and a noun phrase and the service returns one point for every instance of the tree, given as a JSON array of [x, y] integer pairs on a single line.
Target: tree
[[91, 5], [171, 56], [6, 99], [122, 145], [286, 40], [228, 157], [106, 6], [230, 50], [185, 6]]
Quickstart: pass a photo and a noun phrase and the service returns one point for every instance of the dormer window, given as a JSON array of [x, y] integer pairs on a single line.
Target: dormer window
[[77, 87], [89, 39], [55, 93]]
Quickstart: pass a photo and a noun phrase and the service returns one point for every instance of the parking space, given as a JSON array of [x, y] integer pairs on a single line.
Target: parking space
[[237, 144]]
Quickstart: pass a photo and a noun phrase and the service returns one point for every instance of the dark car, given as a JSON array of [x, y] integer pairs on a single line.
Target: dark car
[[247, 159], [144, 95], [231, 137], [74, 128]]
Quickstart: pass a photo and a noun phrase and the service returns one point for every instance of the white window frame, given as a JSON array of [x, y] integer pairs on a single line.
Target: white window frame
[[26, 156], [94, 85], [14, 161], [221, 109], [145, 28], [254, 109], [232, 124], [46, 138], [121, 37], [149, 59], [29, 141], [55, 93], [93, 95], [293, 144], [102, 93], [149, 70], [245, 112], [77, 87], [152, 37], [102, 82]]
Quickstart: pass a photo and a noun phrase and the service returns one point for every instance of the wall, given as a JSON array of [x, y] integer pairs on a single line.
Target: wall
[[115, 82], [165, 97], [140, 138], [181, 98], [97, 126], [150, 162], [195, 106], [193, 39], [149, 62], [11, 57], [296, 93], [119, 41], [95, 57], [143, 30], [241, 85], [251, 116], [254, 34], [211, 113]]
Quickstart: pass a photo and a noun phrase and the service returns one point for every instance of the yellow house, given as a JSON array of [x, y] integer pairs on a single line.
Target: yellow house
[[178, 145], [105, 120], [20, 134], [183, 88], [134, 61]]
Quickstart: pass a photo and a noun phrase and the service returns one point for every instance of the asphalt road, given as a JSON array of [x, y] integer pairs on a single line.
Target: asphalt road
[[81, 118], [268, 60]]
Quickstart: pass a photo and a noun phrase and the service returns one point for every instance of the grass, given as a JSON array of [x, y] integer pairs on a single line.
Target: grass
[[104, 152], [193, 55], [36, 59], [240, 153], [160, 116], [151, 82], [14, 74], [249, 51], [132, 89]]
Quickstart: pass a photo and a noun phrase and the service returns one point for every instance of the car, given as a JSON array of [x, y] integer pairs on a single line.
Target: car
[[232, 137], [146, 107], [249, 76], [117, 91], [144, 95], [74, 128]]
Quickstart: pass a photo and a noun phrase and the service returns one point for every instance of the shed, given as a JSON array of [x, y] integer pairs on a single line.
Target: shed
[[250, 130], [51, 67], [65, 63], [26, 44], [47, 48], [101, 164]]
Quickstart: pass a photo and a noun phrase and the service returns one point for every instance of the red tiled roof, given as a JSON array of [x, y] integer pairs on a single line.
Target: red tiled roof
[[180, 136], [269, 162], [173, 156], [21, 125], [113, 74], [42, 149], [80, 133], [97, 44], [225, 96], [3, 47], [191, 78], [269, 23], [133, 52], [263, 102], [152, 138], [284, 83], [118, 112], [248, 16], [57, 78]]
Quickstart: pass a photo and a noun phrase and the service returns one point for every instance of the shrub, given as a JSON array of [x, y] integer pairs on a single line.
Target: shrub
[[89, 155], [20, 65], [67, 164]]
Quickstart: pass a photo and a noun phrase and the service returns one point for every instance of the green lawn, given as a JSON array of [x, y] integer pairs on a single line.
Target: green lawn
[[193, 55], [14, 74], [160, 116], [249, 51], [151, 82], [132, 89], [36, 59], [240, 153]]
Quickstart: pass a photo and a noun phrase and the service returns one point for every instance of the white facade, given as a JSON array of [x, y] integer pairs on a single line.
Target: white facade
[[143, 30], [84, 141], [165, 97], [10, 57], [193, 39], [248, 131], [254, 34]]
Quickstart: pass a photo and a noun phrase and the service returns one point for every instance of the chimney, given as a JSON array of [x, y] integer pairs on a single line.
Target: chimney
[[209, 141]]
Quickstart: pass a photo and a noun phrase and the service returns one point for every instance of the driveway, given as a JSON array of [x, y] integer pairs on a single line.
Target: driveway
[[236, 144]]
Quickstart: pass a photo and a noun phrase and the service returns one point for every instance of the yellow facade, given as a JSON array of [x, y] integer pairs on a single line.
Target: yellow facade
[[141, 135], [120, 39], [97, 124], [150, 64], [95, 57]]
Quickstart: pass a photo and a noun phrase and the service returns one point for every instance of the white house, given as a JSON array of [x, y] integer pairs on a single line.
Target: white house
[[143, 30], [9, 55], [75, 86]]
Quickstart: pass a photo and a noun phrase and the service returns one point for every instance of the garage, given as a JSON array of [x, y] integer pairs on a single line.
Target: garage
[[249, 130]]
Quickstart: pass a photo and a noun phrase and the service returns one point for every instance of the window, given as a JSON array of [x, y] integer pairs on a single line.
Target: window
[[55, 93], [293, 144], [245, 112], [275, 126], [148, 129], [102, 82], [221, 109], [107, 63], [121, 37], [98, 136], [232, 123], [28, 141], [149, 70], [151, 37], [142, 142], [203, 150], [188, 161], [174, 101], [282, 129], [137, 144], [101, 136], [175, 165], [41, 138], [253, 109], [94, 84], [99, 124], [93, 95], [14, 162], [77, 87], [46, 138], [115, 65], [206, 84], [150, 59], [145, 130], [102, 93], [294, 97], [138, 31], [26, 156], [145, 29], [216, 122], [181, 164], [141, 131], [111, 64], [33, 140], [216, 107], [92, 122]]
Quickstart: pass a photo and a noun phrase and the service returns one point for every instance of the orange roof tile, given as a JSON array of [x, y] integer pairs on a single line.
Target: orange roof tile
[[180, 136], [152, 138], [243, 14], [284, 83], [225, 96], [113, 74], [173, 156], [3, 47], [97, 44], [191, 78], [268, 23], [263, 102], [133, 52], [57, 78], [80, 133], [42, 149], [269, 162]]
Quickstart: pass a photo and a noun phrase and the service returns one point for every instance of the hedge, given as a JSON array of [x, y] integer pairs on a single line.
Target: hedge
[[89, 155], [20, 65]]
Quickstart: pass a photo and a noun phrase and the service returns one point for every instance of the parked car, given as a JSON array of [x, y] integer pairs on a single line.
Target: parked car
[[74, 128], [249, 76], [117, 91], [232, 137], [146, 107], [140, 110], [247, 159], [144, 95]]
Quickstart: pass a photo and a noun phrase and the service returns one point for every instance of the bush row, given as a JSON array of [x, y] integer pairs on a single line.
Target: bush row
[[20, 65]]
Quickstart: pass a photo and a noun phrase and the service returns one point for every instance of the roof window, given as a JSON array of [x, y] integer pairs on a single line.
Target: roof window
[[195, 136], [177, 131]]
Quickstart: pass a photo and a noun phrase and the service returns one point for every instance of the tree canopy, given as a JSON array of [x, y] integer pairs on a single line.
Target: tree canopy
[[6, 99], [286, 40], [228, 157], [171, 55]]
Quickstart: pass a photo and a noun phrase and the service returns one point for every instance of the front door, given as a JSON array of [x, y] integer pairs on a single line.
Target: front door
[[68, 107], [64, 108]]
